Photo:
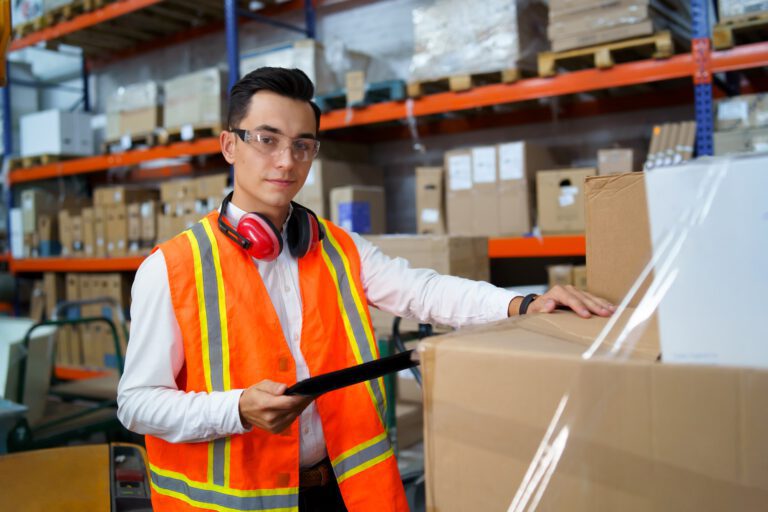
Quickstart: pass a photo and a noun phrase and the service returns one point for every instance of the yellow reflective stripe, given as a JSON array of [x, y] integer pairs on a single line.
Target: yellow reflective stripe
[[201, 305], [350, 334], [208, 506], [363, 467], [222, 305], [240, 493], [362, 446]]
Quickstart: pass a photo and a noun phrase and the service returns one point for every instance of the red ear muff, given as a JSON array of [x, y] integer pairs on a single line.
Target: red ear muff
[[265, 242]]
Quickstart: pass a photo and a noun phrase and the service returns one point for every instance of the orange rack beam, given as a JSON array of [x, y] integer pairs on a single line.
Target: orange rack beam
[[631, 73], [6, 307], [85, 20], [76, 264], [103, 162], [531, 247], [73, 373]]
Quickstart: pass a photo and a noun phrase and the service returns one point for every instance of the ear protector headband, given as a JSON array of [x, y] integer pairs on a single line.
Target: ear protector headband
[[256, 234]]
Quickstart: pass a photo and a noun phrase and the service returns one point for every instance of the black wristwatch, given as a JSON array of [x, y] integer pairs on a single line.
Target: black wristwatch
[[526, 302]]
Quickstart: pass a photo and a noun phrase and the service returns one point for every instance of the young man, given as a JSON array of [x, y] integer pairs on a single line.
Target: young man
[[224, 318]]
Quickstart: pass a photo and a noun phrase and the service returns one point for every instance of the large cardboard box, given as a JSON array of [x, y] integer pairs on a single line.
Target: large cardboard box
[[515, 418], [122, 194], [741, 141], [117, 230], [65, 232], [561, 200], [35, 202], [518, 164], [359, 209], [615, 161], [48, 233], [66, 133], [197, 100], [78, 238], [133, 220], [134, 110], [485, 191], [326, 174], [430, 200], [100, 231], [618, 234], [211, 187], [73, 334], [148, 214], [178, 190], [459, 198], [89, 232]]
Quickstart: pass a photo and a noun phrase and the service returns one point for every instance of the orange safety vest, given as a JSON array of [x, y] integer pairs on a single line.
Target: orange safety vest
[[233, 339]]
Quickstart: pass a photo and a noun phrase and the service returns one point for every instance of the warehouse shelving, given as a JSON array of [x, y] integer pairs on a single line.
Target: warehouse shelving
[[126, 264], [622, 75]]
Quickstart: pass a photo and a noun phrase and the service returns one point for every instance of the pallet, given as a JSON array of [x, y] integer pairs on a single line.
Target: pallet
[[379, 92], [37, 160], [71, 10], [603, 56], [28, 27], [137, 139], [168, 136], [462, 82], [742, 30]]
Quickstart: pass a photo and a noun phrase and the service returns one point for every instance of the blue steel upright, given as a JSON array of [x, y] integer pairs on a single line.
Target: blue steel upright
[[233, 47], [702, 88]]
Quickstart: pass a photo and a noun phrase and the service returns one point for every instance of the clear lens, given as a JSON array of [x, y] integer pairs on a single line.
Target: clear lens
[[273, 145]]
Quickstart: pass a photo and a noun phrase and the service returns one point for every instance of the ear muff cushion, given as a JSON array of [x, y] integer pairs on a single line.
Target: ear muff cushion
[[299, 232], [266, 242]]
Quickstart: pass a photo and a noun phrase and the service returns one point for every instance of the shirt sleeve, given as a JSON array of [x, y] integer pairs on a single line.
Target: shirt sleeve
[[393, 286], [149, 401]]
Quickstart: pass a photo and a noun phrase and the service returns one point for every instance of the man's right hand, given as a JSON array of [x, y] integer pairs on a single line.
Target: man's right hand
[[265, 406]]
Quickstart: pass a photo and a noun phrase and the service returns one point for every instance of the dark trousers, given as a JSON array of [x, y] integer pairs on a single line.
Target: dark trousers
[[325, 498]]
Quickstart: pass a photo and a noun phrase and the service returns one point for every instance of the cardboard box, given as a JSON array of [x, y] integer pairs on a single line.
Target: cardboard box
[[134, 110], [560, 275], [580, 277], [459, 197], [48, 233], [122, 194], [178, 190], [618, 234], [73, 334], [532, 424], [148, 213], [359, 209], [133, 220], [89, 232], [615, 161], [561, 200], [608, 35], [65, 232], [741, 8], [326, 174], [430, 200], [410, 424], [100, 231], [78, 238], [117, 230], [741, 141], [485, 191], [66, 133], [620, 14], [518, 164], [35, 202], [197, 100], [211, 186]]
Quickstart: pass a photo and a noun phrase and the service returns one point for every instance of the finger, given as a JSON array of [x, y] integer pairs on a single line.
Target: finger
[[543, 306], [607, 305], [569, 298], [592, 304]]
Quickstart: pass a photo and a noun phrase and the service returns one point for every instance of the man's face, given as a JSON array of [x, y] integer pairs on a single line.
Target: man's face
[[265, 182]]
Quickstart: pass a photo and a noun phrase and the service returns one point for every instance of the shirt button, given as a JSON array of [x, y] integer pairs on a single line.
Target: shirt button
[[306, 430], [295, 337]]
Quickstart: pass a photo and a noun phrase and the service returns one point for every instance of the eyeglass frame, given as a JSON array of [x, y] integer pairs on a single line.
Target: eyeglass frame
[[242, 132]]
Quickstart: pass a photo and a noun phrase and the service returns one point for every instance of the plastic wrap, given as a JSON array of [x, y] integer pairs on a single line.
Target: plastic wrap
[[135, 97], [552, 412], [599, 19], [196, 99], [738, 8], [457, 37]]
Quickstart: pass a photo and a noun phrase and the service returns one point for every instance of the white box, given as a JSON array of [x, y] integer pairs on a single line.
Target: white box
[[56, 132], [25, 10]]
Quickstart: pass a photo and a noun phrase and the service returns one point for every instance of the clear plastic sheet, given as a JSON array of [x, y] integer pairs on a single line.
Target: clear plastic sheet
[[135, 97], [456, 37], [605, 427], [736, 8]]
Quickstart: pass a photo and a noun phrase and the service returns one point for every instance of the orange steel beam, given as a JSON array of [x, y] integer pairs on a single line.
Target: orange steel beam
[[108, 12], [537, 247], [128, 263], [73, 373], [631, 73], [103, 162], [6, 307]]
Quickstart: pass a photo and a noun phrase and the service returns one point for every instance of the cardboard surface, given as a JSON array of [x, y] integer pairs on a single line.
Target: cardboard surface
[[326, 174], [560, 200], [615, 161], [560, 275], [359, 209], [618, 234], [485, 189], [741, 141], [430, 200], [196, 99], [518, 164], [459, 202], [611, 434]]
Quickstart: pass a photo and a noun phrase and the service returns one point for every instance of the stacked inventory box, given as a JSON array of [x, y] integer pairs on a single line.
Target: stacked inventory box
[[185, 201], [134, 110], [741, 124], [671, 144], [195, 100], [113, 204], [735, 9], [580, 23]]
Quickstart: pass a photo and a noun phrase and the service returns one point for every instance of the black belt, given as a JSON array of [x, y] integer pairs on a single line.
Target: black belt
[[318, 475]]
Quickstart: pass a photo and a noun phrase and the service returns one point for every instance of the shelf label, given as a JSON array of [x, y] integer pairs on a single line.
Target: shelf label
[[126, 142], [460, 172], [431, 215], [484, 164], [187, 132]]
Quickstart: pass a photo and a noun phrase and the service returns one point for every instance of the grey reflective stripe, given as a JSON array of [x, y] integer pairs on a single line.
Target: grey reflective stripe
[[219, 445], [209, 497], [344, 466], [353, 315], [213, 323], [211, 294]]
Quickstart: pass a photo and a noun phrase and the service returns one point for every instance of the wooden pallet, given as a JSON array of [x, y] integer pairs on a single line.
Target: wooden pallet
[[70, 10], [603, 56], [26, 28], [462, 82], [379, 92], [742, 30], [37, 160], [168, 136], [137, 139]]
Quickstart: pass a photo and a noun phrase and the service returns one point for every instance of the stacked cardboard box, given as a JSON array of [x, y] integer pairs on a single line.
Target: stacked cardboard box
[[182, 203], [581, 23], [195, 100], [329, 172], [37, 207], [430, 201], [134, 110], [671, 144], [615, 161], [359, 208], [490, 189], [560, 200], [564, 275], [741, 124], [736, 9], [113, 204]]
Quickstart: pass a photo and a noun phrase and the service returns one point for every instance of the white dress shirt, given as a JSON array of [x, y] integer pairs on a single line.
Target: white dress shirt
[[149, 401]]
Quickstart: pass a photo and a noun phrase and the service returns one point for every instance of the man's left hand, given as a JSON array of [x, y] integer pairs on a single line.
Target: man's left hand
[[583, 303]]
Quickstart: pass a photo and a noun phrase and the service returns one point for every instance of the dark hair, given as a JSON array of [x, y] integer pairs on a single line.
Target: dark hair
[[291, 83]]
